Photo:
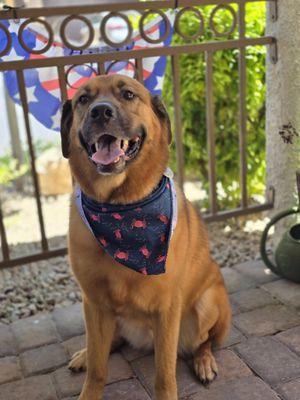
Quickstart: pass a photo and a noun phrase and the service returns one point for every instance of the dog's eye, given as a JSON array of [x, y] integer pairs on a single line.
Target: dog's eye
[[128, 95], [83, 99]]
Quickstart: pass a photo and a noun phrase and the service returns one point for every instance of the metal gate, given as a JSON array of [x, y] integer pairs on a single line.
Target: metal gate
[[81, 56]]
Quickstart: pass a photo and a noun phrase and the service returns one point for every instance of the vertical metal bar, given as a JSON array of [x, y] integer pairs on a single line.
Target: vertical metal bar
[[210, 126], [178, 120], [242, 110], [273, 10], [15, 140], [4, 244], [101, 68], [139, 69], [63, 90], [23, 97], [62, 83]]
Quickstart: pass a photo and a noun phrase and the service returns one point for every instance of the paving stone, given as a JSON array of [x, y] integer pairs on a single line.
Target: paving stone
[[34, 388], [291, 338], [145, 370], [69, 321], [267, 320], [257, 271], [250, 299], [235, 336], [270, 359], [290, 390], [9, 369], [131, 354], [70, 398], [235, 281], [68, 383], [286, 291], [235, 309], [8, 345], [230, 367], [74, 344], [34, 331], [126, 390], [43, 359], [229, 364], [118, 368], [241, 389]]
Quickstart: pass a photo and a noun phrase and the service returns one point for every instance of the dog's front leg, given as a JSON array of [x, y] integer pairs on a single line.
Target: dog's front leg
[[166, 325], [100, 329]]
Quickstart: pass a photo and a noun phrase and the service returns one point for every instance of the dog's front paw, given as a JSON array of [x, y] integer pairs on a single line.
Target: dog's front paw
[[206, 368], [78, 361]]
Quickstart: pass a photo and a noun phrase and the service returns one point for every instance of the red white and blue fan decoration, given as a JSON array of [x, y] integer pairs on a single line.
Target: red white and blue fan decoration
[[43, 90]]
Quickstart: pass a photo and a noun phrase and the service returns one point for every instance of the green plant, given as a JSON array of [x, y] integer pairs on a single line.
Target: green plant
[[10, 170], [226, 103]]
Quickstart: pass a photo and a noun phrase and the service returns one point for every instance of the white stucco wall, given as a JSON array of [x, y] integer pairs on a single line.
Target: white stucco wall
[[283, 102]]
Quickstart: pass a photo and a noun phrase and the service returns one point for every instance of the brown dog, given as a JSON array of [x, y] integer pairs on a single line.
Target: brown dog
[[185, 308]]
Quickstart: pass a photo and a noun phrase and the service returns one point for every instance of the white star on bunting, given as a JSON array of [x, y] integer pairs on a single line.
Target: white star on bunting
[[12, 56], [31, 96], [159, 84], [56, 119]]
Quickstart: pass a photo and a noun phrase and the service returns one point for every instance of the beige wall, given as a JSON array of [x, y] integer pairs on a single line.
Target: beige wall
[[283, 102]]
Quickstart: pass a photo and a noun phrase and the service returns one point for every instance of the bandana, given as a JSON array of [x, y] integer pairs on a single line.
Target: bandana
[[136, 235]]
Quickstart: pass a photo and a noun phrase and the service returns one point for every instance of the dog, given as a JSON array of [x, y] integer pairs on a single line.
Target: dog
[[117, 136]]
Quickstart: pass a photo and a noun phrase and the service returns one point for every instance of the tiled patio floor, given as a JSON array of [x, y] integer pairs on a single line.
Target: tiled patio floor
[[260, 361]]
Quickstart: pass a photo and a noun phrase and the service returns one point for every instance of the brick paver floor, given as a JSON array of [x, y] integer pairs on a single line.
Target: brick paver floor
[[260, 361]]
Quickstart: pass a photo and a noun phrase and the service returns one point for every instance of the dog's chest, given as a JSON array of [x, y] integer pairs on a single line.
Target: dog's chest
[[127, 296]]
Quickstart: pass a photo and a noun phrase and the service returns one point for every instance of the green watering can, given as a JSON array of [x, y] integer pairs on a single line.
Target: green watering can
[[287, 254]]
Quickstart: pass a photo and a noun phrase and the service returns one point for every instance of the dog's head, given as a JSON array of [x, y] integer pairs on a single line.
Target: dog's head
[[112, 126]]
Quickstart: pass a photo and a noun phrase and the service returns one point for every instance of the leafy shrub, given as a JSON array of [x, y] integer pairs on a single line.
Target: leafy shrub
[[10, 170], [226, 102]]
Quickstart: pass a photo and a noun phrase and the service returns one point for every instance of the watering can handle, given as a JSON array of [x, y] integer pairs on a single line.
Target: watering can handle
[[264, 236]]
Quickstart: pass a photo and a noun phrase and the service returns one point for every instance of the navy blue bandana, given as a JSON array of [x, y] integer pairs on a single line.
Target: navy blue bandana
[[136, 235]]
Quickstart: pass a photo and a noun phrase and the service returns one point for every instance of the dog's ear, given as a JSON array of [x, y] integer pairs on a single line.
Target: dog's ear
[[65, 126], [161, 111]]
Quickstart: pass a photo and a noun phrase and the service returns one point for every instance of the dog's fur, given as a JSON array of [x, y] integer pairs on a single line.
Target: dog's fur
[[186, 308]]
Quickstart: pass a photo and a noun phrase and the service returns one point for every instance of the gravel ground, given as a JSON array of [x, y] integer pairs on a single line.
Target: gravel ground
[[44, 285]]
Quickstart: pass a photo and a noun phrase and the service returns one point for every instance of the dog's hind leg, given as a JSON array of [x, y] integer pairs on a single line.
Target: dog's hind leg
[[78, 361], [205, 365], [210, 328]]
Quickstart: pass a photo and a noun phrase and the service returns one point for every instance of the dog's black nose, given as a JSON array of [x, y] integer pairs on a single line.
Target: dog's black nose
[[102, 112]]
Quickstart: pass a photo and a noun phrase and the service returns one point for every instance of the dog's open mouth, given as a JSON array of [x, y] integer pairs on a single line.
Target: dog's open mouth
[[110, 151]]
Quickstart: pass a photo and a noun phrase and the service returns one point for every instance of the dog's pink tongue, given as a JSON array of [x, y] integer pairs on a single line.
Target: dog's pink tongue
[[108, 154]]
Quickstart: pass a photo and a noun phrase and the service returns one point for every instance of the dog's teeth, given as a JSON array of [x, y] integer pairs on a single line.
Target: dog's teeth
[[117, 160], [125, 145], [97, 146]]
